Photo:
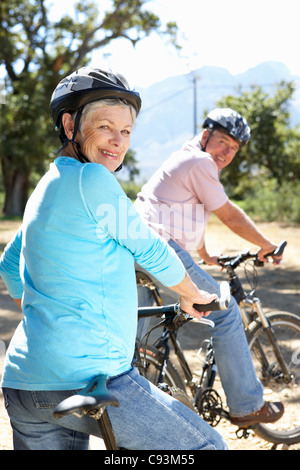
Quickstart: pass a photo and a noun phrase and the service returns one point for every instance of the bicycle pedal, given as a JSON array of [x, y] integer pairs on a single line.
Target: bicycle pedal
[[244, 433]]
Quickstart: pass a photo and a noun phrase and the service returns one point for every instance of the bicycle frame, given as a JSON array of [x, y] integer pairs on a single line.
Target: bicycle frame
[[202, 392], [273, 356], [245, 300], [163, 343]]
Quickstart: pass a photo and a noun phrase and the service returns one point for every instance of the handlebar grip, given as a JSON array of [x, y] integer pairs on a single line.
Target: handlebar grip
[[279, 250], [214, 305], [217, 304]]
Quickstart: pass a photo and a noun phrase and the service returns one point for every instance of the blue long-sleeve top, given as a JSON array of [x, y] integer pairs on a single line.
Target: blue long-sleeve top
[[72, 262]]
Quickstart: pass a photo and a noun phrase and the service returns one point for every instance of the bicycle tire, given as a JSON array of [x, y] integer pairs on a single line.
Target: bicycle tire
[[153, 365], [286, 327]]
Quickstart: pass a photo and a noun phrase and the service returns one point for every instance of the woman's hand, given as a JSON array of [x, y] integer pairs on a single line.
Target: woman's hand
[[19, 303], [190, 294], [186, 304]]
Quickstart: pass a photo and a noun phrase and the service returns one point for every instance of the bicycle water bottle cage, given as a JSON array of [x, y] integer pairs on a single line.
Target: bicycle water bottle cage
[[91, 400]]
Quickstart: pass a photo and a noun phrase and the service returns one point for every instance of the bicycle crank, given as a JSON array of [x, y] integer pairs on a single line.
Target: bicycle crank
[[210, 407], [177, 393]]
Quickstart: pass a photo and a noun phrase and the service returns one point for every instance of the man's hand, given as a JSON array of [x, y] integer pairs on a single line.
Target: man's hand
[[211, 260], [207, 258], [267, 250]]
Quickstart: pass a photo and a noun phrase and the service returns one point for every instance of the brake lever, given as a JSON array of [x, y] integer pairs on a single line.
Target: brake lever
[[203, 321]]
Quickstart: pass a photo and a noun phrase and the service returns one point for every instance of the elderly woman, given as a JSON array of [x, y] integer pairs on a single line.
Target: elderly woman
[[72, 264]]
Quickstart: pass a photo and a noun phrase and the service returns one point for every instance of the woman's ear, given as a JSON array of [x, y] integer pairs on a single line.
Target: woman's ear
[[68, 124]]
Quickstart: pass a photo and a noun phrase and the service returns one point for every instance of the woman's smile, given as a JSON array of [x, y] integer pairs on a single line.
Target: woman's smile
[[109, 154]]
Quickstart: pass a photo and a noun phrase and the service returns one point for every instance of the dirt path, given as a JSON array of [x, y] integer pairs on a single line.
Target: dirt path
[[281, 290]]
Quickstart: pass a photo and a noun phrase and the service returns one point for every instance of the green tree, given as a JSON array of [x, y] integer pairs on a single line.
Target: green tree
[[274, 148], [36, 54]]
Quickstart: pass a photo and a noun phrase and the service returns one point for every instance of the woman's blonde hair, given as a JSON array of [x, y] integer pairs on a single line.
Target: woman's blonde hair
[[94, 105]]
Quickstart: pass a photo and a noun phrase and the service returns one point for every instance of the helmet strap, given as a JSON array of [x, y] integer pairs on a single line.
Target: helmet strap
[[221, 129], [76, 147], [81, 157]]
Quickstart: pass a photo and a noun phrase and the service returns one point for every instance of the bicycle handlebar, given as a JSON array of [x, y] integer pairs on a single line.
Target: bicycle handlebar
[[235, 261], [174, 309]]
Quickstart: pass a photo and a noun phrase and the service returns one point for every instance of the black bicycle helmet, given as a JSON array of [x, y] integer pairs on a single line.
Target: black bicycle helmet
[[85, 86], [230, 122]]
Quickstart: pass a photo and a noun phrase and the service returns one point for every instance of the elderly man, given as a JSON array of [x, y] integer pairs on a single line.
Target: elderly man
[[177, 202]]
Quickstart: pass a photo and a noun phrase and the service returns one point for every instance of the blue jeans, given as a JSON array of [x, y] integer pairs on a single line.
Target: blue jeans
[[243, 390], [147, 419]]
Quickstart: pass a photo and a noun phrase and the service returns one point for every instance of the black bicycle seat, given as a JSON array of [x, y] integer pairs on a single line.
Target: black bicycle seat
[[93, 397]]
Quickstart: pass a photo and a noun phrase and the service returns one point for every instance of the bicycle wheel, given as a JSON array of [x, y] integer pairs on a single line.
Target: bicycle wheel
[[286, 328], [153, 367]]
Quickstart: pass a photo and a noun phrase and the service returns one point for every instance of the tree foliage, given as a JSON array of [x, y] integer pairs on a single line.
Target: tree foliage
[[36, 54]]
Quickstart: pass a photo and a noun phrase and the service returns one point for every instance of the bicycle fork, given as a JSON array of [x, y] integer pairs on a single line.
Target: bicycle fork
[[267, 327]]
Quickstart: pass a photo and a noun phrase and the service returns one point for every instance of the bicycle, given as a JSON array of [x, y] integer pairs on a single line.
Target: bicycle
[[94, 399], [274, 342]]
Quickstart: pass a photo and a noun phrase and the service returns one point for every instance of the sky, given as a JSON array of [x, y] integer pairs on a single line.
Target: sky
[[232, 34]]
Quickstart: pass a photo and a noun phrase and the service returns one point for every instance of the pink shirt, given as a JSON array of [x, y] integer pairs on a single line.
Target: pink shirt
[[179, 197]]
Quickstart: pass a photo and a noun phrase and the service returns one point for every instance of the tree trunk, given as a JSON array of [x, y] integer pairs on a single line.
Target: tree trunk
[[16, 186]]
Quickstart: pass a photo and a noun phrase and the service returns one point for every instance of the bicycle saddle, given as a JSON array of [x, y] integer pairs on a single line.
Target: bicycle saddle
[[93, 397]]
